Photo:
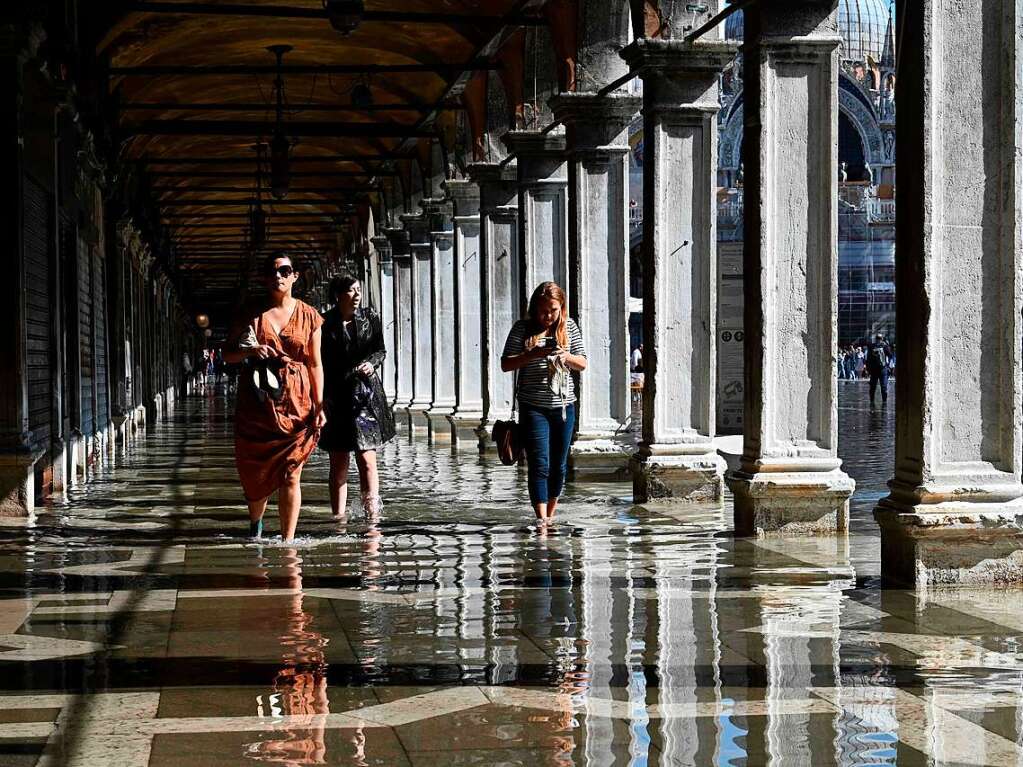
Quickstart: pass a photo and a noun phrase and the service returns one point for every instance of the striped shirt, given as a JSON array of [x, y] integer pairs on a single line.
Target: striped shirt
[[533, 385]]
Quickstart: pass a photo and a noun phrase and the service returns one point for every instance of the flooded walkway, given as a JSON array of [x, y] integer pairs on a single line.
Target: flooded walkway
[[138, 627]]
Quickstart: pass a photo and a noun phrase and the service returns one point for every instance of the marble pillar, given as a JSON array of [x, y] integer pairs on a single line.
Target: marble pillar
[[418, 228], [677, 459], [443, 332], [468, 412], [19, 450], [790, 479], [401, 258], [598, 208], [501, 287], [543, 206], [955, 510], [385, 275]]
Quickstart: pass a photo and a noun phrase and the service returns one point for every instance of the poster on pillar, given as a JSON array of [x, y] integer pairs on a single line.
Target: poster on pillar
[[730, 339]]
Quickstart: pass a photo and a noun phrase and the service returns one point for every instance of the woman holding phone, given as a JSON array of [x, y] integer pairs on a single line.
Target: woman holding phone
[[545, 348]]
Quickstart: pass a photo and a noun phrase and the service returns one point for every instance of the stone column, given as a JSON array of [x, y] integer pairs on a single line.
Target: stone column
[[956, 503], [468, 412], [418, 228], [386, 276], [677, 458], [790, 478], [401, 257], [543, 206], [598, 207], [443, 331], [18, 452], [501, 291]]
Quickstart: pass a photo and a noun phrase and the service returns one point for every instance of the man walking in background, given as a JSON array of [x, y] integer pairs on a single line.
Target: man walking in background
[[878, 355]]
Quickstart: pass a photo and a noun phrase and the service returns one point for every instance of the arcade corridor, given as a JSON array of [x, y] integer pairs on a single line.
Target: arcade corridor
[[451, 634]]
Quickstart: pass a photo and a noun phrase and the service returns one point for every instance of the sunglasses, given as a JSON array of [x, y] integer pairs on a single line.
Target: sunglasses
[[284, 271]]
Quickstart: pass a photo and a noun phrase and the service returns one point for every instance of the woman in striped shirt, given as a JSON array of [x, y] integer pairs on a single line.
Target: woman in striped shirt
[[545, 348]]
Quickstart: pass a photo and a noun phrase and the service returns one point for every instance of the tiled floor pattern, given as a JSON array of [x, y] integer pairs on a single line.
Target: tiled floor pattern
[[137, 627]]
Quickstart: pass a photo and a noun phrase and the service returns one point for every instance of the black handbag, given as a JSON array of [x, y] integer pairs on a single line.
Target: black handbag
[[507, 435]]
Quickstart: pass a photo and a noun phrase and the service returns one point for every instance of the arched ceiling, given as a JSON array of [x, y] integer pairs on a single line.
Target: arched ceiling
[[191, 84]]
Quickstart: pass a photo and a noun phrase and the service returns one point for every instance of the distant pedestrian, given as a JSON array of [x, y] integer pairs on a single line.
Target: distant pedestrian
[[637, 359], [545, 348], [878, 359]]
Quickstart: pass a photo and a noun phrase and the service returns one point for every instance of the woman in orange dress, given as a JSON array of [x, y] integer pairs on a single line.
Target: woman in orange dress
[[280, 398]]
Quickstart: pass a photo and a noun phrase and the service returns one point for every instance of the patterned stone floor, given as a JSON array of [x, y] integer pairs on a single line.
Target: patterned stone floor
[[138, 627]]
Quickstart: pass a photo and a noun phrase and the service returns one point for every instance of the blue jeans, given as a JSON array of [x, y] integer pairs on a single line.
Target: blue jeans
[[880, 377], [547, 439]]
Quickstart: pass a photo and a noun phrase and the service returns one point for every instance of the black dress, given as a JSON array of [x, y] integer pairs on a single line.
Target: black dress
[[359, 416]]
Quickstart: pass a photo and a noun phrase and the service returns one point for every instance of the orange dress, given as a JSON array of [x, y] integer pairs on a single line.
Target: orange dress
[[273, 440]]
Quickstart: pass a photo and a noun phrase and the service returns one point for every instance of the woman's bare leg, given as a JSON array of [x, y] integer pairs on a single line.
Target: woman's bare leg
[[339, 482], [369, 481], [540, 509], [257, 509], [289, 502], [552, 506]]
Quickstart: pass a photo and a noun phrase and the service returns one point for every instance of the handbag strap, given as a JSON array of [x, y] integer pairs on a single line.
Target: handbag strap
[[515, 397]]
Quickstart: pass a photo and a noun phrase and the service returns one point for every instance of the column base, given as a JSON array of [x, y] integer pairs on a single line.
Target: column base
[[484, 441], [17, 483], [951, 543], [600, 458], [783, 503], [464, 430], [418, 423], [665, 473], [438, 425]]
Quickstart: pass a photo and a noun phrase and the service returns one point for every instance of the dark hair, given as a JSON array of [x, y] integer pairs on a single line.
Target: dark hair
[[268, 262], [340, 284]]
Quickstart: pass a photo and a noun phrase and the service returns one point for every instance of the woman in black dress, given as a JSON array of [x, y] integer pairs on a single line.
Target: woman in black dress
[[359, 417]]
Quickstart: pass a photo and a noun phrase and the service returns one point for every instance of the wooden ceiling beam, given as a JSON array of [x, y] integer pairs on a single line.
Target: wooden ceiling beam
[[164, 106], [265, 189], [258, 128], [291, 12], [245, 70], [249, 160], [248, 174]]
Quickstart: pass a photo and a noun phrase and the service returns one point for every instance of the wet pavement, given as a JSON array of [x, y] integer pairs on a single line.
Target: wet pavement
[[137, 627]]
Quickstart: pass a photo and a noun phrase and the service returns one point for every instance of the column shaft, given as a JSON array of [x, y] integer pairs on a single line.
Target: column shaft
[[790, 478], [599, 252], [468, 412], [677, 458], [417, 227], [954, 511], [402, 260], [543, 206], [443, 334], [501, 287], [386, 290]]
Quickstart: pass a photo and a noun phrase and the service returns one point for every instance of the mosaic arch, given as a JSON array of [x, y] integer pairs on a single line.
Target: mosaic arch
[[860, 116]]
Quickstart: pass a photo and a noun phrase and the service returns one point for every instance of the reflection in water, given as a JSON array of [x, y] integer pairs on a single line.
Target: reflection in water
[[300, 687], [630, 635]]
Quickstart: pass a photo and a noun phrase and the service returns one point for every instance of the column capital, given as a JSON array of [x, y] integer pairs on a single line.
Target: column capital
[[595, 121], [492, 172], [382, 245], [529, 144], [464, 196], [650, 57], [399, 240], [418, 227]]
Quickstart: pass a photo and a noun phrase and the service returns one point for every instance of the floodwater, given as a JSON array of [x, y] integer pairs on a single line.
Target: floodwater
[[139, 627]]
